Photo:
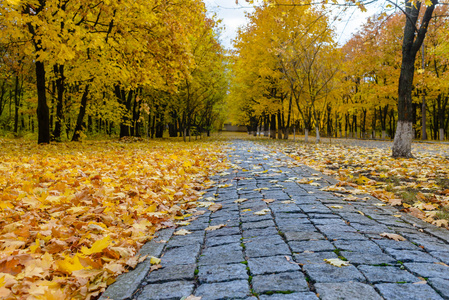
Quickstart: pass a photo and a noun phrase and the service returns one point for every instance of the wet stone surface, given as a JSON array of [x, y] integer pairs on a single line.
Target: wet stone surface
[[276, 249]]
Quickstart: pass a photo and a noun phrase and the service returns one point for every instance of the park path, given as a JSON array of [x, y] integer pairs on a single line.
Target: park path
[[276, 249]]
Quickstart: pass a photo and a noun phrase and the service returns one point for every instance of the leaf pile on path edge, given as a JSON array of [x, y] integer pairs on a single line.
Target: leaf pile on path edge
[[73, 216]]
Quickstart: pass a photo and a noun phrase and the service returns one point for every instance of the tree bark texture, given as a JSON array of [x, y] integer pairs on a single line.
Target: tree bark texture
[[413, 39]]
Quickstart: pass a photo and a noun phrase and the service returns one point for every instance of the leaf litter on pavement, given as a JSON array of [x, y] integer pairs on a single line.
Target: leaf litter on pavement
[[418, 186], [73, 216]]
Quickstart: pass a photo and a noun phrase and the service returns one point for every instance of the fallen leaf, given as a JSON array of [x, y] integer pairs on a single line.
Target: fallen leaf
[[337, 206], [212, 228], [182, 232], [246, 210], [262, 212], [397, 216], [240, 200], [215, 207], [393, 236], [337, 262], [268, 200], [395, 202], [155, 260], [191, 297]]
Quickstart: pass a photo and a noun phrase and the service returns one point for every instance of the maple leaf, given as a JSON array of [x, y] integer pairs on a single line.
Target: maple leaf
[[336, 262], [97, 246], [393, 236]]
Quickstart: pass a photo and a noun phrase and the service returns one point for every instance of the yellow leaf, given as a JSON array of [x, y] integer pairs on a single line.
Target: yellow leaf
[[69, 264], [337, 262], [262, 212], [97, 246], [155, 260]]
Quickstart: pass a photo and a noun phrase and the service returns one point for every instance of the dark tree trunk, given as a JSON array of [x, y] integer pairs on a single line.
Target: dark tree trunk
[[413, 39], [273, 127], [16, 104], [79, 121], [59, 72], [43, 114]]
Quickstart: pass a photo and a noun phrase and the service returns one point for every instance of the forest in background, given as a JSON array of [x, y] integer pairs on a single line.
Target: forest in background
[[137, 68], [290, 73], [127, 68]]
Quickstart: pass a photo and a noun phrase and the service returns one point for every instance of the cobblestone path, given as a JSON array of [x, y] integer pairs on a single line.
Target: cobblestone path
[[276, 249]]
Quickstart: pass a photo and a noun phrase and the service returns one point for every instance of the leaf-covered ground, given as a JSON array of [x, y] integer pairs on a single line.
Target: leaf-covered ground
[[73, 215], [417, 186]]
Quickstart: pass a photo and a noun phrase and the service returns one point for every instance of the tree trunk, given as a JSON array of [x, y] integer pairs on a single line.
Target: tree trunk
[[402, 145], [306, 135], [43, 114], [317, 132], [79, 121], [16, 104], [59, 72], [273, 127]]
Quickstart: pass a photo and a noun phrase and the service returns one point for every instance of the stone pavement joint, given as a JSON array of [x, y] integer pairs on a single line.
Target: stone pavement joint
[[275, 249]]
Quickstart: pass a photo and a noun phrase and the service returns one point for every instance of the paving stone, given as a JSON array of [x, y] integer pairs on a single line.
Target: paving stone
[[358, 246], [172, 273], [428, 270], [260, 224], [376, 274], [303, 235], [313, 257], [259, 232], [168, 291], [228, 222], [222, 240], [219, 255], [358, 258], [441, 256], [329, 273], [328, 221], [407, 291], [435, 246], [349, 290], [440, 285], [411, 256], [269, 265], [315, 246], [251, 217], [253, 205], [280, 282], [223, 290], [342, 235], [262, 248], [285, 208], [268, 239], [293, 296], [329, 229], [295, 227], [223, 232], [317, 209], [370, 228], [398, 245], [291, 217], [220, 273], [181, 255], [195, 226], [196, 238]]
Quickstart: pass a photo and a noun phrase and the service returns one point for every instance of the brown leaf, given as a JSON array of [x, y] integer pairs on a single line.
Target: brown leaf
[[393, 236], [212, 228], [215, 207]]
